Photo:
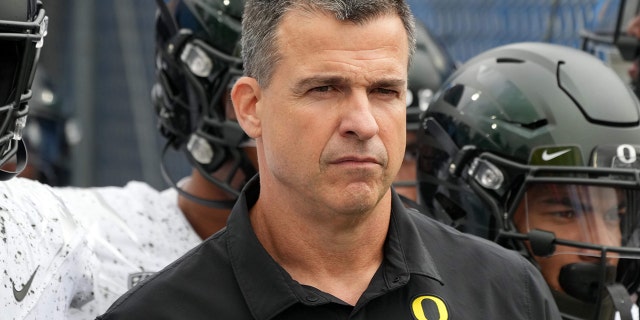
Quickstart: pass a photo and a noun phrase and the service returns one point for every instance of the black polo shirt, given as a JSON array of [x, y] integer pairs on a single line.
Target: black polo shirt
[[429, 271]]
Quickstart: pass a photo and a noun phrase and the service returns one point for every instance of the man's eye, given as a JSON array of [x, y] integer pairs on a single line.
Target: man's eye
[[614, 215], [566, 214], [322, 89], [385, 91]]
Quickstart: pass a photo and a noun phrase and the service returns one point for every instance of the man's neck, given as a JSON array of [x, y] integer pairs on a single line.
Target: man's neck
[[334, 254]]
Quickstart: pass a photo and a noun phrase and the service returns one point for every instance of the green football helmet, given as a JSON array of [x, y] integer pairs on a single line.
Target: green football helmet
[[536, 146]]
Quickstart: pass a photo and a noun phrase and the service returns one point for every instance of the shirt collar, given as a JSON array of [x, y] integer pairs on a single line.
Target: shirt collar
[[405, 246], [268, 289]]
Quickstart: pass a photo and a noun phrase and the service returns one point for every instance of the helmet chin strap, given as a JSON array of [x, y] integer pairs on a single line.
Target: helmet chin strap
[[593, 290], [21, 161], [582, 280], [218, 204], [615, 299]]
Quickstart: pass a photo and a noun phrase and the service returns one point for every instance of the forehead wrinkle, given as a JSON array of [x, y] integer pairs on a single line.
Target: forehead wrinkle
[[363, 54], [358, 58], [355, 66], [317, 50]]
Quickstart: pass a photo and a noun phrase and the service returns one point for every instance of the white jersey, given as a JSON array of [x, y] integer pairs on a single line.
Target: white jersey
[[134, 231], [47, 267]]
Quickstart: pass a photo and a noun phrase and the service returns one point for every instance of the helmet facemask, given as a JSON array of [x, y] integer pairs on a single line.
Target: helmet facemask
[[20, 43], [578, 224]]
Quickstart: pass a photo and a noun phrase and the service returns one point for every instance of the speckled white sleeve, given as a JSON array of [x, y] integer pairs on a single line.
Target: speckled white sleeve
[[134, 231], [47, 267]]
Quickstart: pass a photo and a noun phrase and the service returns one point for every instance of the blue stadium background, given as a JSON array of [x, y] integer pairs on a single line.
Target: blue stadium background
[[100, 55]]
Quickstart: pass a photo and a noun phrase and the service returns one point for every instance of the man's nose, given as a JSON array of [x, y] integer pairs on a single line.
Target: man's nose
[[358, 119]]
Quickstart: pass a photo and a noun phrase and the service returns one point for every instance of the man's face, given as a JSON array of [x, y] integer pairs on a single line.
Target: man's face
[[333, 116], [589, 214]]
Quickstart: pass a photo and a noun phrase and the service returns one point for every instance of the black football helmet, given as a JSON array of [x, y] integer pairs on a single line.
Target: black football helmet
[[23, 26], [431, 65], [528, 141], [197, 61]]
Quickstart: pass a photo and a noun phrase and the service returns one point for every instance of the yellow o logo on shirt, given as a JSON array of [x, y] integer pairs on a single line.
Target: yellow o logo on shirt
[[418, 310]]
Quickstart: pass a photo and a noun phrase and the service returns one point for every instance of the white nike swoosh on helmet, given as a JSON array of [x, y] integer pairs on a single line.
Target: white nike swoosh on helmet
[[550, 156]]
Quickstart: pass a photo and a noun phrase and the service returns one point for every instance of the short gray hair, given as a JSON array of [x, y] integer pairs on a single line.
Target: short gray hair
[[262, 17]]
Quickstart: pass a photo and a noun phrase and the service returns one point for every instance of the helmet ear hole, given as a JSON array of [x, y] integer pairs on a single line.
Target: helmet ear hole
[[209, 156]]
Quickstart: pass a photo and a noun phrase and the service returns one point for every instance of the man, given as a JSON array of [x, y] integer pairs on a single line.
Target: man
[[535, 146], [197, 62], [127, 227], [320, 233], [46, 265]]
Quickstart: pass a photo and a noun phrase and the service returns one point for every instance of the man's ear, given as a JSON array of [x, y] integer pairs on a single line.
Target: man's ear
[[245, 96]]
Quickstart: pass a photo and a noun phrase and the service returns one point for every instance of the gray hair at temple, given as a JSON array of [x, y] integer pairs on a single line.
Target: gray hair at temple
[[262, 17]]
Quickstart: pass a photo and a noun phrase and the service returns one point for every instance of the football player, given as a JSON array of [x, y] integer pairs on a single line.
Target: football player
[[135, 230], [46, 263], [536, 147]]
